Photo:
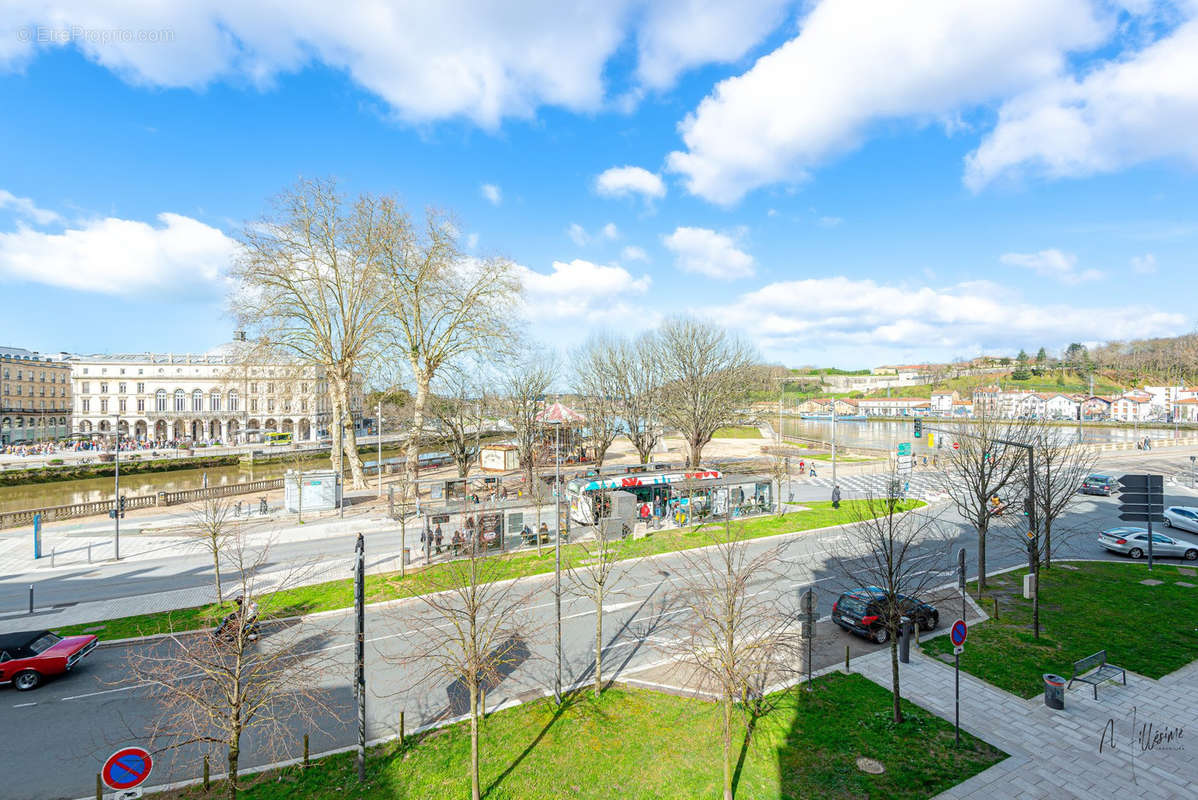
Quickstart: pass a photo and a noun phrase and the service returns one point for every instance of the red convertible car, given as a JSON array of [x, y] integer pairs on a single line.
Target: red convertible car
[[28, 658]]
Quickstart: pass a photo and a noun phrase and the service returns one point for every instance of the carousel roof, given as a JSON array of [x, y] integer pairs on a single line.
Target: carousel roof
[[557, 414]]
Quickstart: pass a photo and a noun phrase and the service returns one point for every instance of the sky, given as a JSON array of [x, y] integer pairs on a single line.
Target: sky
[[845, 182]]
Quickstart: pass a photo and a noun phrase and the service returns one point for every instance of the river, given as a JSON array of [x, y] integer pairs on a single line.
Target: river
[[61, 493], [885, 435]]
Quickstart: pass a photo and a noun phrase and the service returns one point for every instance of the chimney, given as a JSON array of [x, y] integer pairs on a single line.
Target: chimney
[[239, 336]]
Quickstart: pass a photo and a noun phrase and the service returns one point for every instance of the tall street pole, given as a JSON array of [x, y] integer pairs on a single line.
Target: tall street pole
[[557, 556], [116, 497], [379, 425], [360, 651], [833, 442]]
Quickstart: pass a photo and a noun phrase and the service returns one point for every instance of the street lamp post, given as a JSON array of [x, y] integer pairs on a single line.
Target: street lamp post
[[379, 426], [116, 497], [557, 555]]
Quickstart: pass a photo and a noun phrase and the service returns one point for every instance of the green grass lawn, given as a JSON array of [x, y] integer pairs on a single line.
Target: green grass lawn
[[390, 586], [634, 743], [738, 432], [1098, 606]]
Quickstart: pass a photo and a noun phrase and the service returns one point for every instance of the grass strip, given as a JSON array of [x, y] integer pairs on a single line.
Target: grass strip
[[381, 587], [643, 745], [1097, 606]]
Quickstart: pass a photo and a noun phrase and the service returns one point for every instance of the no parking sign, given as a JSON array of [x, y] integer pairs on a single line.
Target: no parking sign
[[127, 768]]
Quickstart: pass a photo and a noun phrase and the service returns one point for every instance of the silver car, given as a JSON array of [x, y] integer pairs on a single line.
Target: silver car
[[1133, 542], [1183, 517]]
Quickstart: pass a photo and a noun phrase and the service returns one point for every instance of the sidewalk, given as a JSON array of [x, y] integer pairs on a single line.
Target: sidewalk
[[1057, 754]]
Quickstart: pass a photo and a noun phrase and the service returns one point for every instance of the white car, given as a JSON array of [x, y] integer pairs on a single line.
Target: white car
[[1183, 517]]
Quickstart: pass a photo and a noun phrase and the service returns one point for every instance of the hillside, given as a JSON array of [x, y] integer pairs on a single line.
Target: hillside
[[1053, 380]]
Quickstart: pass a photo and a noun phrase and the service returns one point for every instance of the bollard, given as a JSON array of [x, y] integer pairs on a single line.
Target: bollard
[[31, 598], [401, 728], [846, 658], [99, 788], [995, 598], [53, 554], [205, 772], [305, 750]]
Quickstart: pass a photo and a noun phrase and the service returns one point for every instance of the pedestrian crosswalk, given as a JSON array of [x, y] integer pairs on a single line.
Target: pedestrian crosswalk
[[921, 485]]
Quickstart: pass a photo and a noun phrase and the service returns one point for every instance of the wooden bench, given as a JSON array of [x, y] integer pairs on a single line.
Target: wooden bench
[[1104, 671]]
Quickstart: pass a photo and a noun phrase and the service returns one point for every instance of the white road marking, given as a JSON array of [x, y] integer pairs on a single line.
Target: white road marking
[[24, 705]]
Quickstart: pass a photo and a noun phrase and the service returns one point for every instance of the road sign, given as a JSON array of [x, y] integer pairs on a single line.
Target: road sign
[[956, 445], [904, 448], [1136, 517], [931, 441], [1031, 535], [1142, 498], [1142, 483], [127, 768], [959, 632], [958, 649]]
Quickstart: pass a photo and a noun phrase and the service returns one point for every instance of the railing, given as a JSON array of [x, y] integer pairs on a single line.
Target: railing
[[12, 519]]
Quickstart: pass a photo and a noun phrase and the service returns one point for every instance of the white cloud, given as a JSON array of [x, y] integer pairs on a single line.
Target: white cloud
[[634, 253], [829, 222], [679, 34], [626, 181], [610, 231], [492, 193], [859, 322], [1138, 108], [472, 241], [706, 252], [426, 60], [817, 94], [179, 256], [578, 234], [27, 208], [1145, 264], [581, 289], [1053, 264]]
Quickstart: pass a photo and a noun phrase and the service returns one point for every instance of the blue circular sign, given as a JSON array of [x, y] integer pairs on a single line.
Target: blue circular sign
[[959, 632], [127, 768]]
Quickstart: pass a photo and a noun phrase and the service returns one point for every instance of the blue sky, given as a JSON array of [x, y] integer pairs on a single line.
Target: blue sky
[[844, 182]]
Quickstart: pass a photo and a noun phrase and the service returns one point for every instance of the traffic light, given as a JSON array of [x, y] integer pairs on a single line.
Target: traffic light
[[1027, 506], [918, 428]]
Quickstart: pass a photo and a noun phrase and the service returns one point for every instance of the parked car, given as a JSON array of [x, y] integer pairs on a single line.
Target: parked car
[[1133, 542], [860, 611], [1099, 484], [29, 657], [1184, 517]]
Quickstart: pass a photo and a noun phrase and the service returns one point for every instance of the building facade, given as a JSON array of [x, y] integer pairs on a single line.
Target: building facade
[[35, 397], [223, 396]]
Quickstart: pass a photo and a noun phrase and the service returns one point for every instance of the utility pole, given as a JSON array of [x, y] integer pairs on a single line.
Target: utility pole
[[360, 651], [116, 497], [557, 556], [833, 442], [379, 426]]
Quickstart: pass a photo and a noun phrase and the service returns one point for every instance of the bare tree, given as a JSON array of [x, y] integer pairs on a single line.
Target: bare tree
[[637, 376], [596, 382], [307, 282], [981, 468], [1061, 464], [481, 635], [525, 384], [458, 410], [705, 370], [211, 526], [736, 638], [215, 690], [595, 570], [443, 306], [901, 555]]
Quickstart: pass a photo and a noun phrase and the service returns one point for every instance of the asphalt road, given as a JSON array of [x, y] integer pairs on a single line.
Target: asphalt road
[[61, 733]]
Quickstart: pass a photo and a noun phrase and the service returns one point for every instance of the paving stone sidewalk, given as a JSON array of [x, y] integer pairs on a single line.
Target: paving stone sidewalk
[[1057, 754]]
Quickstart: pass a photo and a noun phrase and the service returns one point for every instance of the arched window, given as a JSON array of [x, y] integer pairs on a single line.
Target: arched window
[[180, 400], [197, 400], [214, 400], [232, 399], [160, 400]]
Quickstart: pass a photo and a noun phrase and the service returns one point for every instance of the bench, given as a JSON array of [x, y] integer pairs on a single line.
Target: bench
[[1104, 671]]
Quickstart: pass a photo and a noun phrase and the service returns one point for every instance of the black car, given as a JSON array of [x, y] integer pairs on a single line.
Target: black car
[[860, 611], [1099, 484]]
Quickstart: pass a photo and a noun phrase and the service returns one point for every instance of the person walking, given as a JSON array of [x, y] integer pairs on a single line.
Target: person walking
[[836, 496], [437, 537]]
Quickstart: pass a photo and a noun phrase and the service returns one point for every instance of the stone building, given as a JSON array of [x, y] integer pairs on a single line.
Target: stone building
[[35, 397], [226, 395]]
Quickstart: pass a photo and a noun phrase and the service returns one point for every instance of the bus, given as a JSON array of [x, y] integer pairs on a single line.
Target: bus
[[647, 487], [274, 437]]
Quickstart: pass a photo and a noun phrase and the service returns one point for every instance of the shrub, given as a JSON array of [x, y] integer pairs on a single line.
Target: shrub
[[55, 462]]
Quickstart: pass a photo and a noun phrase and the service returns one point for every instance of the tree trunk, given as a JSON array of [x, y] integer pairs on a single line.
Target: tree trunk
[[599, 640], [1036, 600], [216, 569], [1047, 542], [727, 746], [233, 757], [349, 438], [418, 404], [475, 792], [894, 680], [982, 555], [696, 452]]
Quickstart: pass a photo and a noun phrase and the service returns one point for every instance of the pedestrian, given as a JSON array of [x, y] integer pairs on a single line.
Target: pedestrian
[[437, 532], [543, 533], [812, 473], [457, 541], [644, 514], [437, 537], [836, 496]]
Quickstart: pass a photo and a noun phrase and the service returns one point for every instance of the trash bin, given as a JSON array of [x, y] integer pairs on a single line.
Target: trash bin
[[1054, 691], [904, 640]]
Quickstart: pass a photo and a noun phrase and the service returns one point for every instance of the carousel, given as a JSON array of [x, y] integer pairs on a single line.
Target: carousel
[[563, 434]]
